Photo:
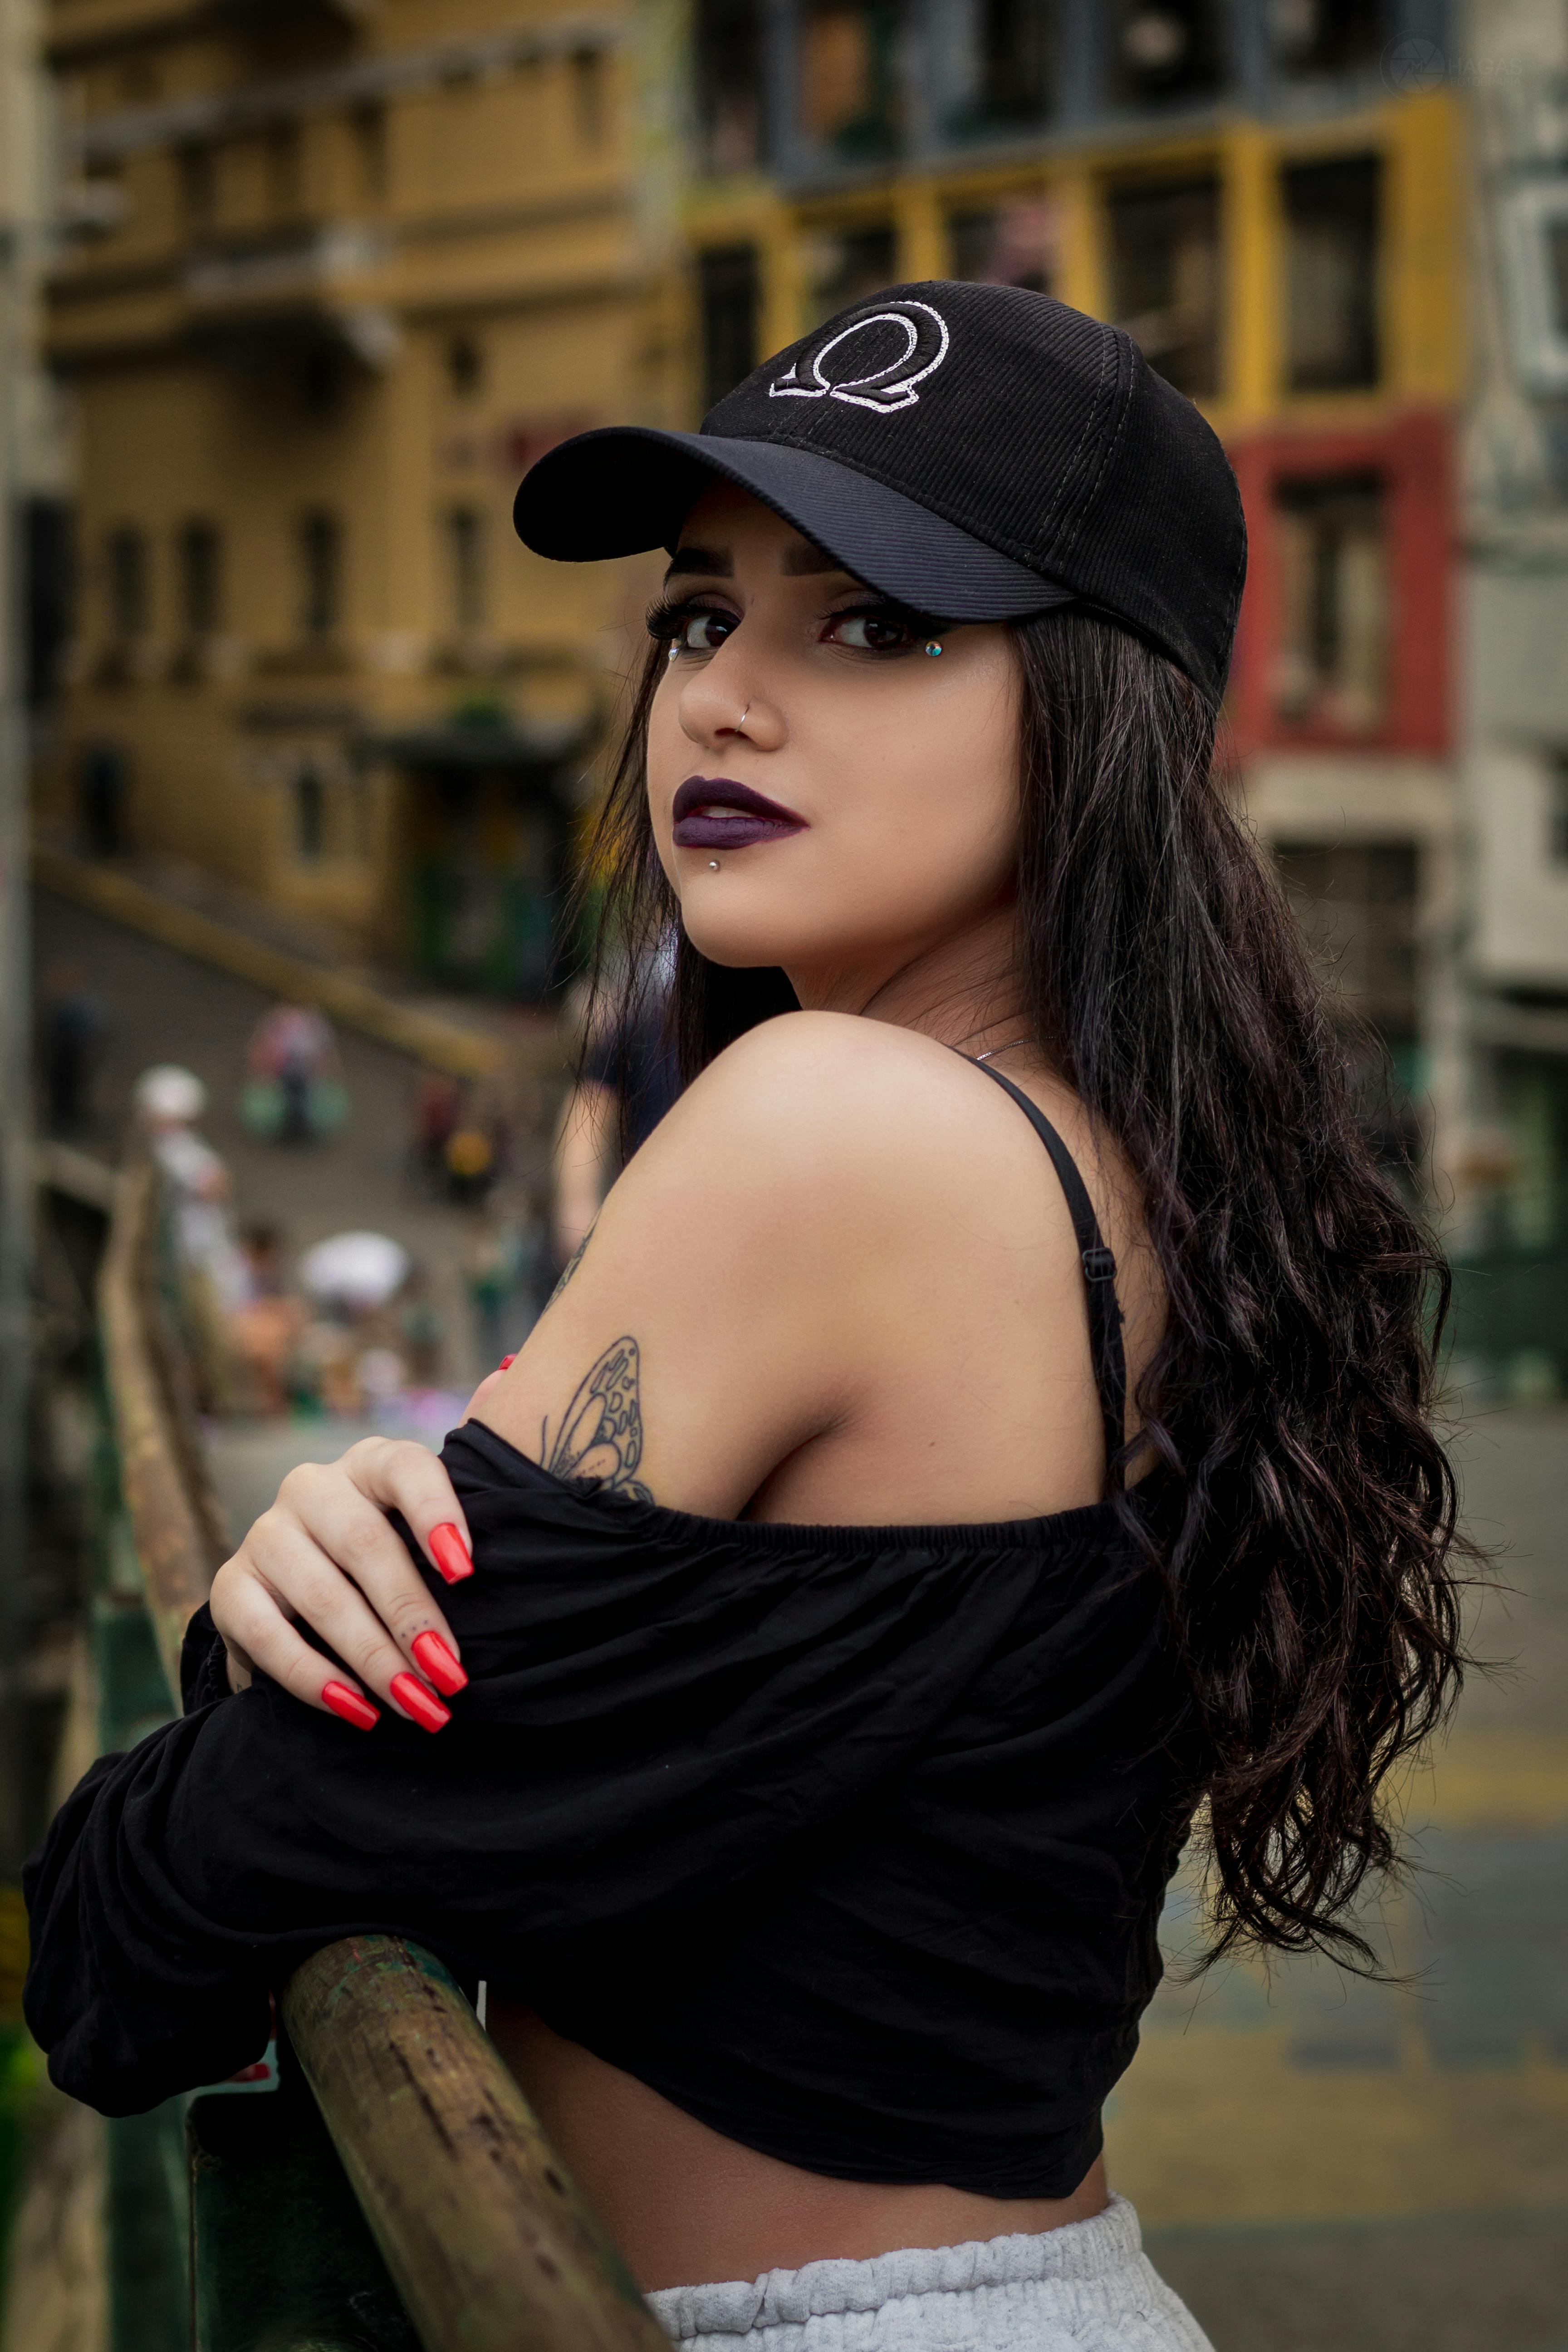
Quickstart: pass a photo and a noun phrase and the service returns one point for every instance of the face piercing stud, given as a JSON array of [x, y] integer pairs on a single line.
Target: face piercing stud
[[933, 649], [712, 865]]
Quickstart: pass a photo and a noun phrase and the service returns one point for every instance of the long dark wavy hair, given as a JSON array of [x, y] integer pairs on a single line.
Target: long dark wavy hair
[[1305, 1528]]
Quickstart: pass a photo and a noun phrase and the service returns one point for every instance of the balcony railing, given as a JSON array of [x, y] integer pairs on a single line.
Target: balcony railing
[[387, 2186]]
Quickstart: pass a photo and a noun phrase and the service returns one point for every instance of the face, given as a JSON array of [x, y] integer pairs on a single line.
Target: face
[[826, 795]]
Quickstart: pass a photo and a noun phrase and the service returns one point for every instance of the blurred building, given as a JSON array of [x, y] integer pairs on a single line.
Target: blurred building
[[1270, 195], [353, 266], [1516, 698]]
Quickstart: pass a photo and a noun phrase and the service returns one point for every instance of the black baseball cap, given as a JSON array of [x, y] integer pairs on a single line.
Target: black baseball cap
[[977, 452]]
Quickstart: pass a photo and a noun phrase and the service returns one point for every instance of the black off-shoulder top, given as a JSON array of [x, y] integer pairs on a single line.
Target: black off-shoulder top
[[850, 1841]]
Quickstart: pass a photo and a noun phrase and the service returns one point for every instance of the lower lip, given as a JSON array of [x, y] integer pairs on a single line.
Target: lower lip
[[735, 829]]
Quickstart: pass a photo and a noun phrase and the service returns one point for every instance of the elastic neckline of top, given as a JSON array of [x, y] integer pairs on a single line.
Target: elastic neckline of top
[[789, 1534]]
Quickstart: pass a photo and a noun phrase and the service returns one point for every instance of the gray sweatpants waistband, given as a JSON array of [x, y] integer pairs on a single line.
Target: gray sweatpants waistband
[[1087, 2287]]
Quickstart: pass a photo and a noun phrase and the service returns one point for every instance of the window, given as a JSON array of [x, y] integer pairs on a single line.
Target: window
[[1004, 245], [1534, 223], [1557, 810], [197, 187], [284, 183], [1016, 59], [370, 145], [49, 557], [466, 543], [100, 202], [1330, 227], [847, 265], [309, 816], [1331, 664], [140, 83], [130, 599], [1325, 36], [321, 569], [728, 292], [729, 71], [1533, 1100], [1165, 271], [848, 76], [588, 96], [1162, 55], [320, 380], [200, 580], [464, 366]]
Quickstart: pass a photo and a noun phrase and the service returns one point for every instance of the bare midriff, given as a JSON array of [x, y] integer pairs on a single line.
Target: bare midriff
[[686, 2205]]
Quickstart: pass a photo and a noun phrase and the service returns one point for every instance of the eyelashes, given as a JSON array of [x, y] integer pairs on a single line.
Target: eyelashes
[[669, 621], [666, 621]]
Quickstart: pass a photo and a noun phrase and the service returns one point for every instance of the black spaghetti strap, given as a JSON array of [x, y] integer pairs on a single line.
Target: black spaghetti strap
[[1099, 1280]]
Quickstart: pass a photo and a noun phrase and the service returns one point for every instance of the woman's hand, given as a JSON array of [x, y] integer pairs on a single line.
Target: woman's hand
[[326, 1553]]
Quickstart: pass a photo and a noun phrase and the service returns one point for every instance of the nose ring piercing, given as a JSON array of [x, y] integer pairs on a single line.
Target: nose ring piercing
[[933, 648]]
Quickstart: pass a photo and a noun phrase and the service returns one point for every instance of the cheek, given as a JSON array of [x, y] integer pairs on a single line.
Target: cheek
[[936, 809]]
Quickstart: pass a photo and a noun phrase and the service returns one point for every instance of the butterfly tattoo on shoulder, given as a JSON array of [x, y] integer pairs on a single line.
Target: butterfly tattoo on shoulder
[[600, 1436]]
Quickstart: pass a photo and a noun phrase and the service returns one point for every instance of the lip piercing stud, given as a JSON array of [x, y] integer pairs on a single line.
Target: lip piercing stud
[[933, 648], [712, 865]]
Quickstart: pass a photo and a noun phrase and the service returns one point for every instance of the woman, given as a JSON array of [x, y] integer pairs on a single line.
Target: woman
[[888, 1535]]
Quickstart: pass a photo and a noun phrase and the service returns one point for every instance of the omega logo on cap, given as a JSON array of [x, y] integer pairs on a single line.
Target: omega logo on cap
[[834, 364]]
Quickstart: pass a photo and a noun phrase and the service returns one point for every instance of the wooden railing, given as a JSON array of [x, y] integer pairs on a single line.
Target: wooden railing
[[486, 2245]]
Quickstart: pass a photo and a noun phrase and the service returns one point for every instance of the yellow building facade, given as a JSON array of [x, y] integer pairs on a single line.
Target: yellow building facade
[[352, 267], [347, 272]]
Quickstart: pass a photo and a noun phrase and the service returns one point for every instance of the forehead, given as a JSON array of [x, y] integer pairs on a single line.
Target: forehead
[[727, 522]]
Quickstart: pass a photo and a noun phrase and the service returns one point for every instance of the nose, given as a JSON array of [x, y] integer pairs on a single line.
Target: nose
[[727, 701]]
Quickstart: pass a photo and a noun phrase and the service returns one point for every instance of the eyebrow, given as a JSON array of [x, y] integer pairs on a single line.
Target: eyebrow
[[712, 560]]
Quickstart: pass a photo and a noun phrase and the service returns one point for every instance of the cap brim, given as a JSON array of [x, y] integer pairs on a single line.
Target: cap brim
[[625, 488]]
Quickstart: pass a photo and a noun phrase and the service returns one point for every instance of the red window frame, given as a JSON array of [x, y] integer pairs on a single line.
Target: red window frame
[[1413, 453]]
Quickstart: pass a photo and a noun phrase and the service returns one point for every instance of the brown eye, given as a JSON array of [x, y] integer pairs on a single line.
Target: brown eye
[[872, 633], [703, 631]]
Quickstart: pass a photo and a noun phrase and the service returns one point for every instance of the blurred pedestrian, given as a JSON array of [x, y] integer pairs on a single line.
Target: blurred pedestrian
[[72, 1027], [626, 1081], [295, 1094], [210, 1268], [437, 1114], [266, 1329]]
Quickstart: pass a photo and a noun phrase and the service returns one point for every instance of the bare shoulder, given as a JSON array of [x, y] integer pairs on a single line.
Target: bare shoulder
[[751, 1269], [810, 1093]]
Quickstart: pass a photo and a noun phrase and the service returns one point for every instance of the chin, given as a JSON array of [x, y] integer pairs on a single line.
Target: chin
[[739, 945]]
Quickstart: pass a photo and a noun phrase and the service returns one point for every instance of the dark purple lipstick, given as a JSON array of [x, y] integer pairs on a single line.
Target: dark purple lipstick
[[715, 813]]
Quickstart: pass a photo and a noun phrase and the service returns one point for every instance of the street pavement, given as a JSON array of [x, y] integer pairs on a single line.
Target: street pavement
[[162, 1006], [1323, 2162]]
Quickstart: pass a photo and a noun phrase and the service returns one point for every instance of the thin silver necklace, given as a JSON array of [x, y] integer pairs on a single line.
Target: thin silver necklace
[[991, 1056]]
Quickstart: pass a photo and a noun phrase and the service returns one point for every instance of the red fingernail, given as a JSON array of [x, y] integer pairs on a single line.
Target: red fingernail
[[350, 1705], [508, 1361], [424, 1705], [437, 1665], [451, 1553]]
